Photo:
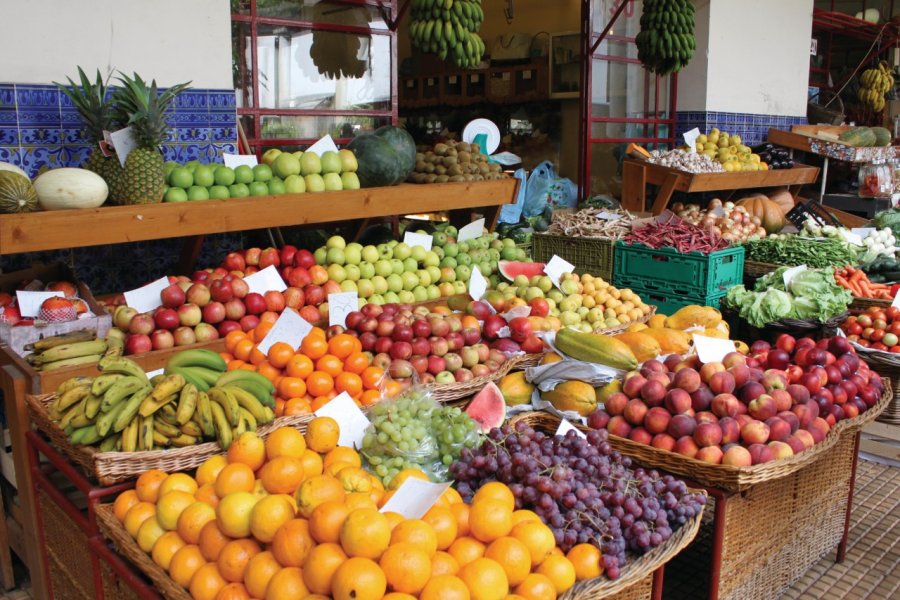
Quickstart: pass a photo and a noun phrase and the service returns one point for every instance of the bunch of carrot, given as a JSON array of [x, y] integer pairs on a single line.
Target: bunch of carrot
[[858, 283]]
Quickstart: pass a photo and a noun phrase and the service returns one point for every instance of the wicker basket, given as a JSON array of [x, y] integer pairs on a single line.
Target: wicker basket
[[756, 269], [887, 365], [863, 304], [724, 477], [108, 468], [449, 392], [69, 559], [621, 328]]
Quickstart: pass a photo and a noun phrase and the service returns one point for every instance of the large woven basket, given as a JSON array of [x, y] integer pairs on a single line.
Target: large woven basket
[[887, 365], [863, 304], [621, 328], [724, 477], [756, 269], [108, 468], [450, 392]]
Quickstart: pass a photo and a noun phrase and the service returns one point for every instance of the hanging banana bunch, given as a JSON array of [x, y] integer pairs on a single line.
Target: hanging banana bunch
[[666, 41], [448, 28], [336, 54], [874, 84]]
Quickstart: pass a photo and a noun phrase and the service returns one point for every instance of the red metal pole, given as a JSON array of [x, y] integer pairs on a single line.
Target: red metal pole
[[842, 546]]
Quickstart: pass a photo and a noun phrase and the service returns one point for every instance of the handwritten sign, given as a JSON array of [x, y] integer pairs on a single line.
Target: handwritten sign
[[340, 305]]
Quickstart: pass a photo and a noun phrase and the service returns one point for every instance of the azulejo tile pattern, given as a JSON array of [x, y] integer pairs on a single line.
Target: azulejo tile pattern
[[753, 129]]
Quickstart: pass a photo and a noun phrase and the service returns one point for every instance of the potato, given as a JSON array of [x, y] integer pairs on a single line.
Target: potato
[[441, 179]]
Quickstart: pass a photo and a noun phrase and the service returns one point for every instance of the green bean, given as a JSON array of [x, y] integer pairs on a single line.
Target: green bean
[[794, 251]]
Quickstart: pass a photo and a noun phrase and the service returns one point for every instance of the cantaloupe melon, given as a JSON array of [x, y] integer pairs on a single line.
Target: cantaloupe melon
[[59, 189], [9, 167], [17, 195]]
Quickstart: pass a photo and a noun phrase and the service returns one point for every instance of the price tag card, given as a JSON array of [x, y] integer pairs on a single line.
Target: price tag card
[[414, 498], [350, 419], [791, 273], [151, 374], [145, 299], [30, 302], [690, 138], [863, 232], [556, 268], [477, 284], [123, 141], [236, 160], [290, 328], [711, 349], [471, 231], [608, 216], [565, 427], [896, 301], [266, 280], [340, 305], [852, 238], [410, 238], [325, 144], [519, 311]]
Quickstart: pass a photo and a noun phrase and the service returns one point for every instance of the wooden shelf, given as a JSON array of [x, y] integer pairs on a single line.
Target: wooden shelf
[[52, 230], [799, 140]]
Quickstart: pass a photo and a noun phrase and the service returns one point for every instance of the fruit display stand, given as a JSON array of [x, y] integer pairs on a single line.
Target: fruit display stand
[[119, 580], [637, 174]]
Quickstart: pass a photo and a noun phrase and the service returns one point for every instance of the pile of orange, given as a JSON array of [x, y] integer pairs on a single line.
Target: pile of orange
[[307, 378], [296, 516]]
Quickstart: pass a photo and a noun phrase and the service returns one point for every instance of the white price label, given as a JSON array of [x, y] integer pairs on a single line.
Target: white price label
[[477, 284], [146, 298], [711, 349], [325, 144], [690, 138], [267, 280], [471, 231], [290, 328], [124, 142], [352, 422], [565, 427], [556, 268], [414, 498], [237, 160], [340, 305], [411, 239]]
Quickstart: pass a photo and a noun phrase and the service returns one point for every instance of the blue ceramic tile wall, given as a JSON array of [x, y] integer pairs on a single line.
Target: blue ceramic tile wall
[[753, 129], [39, 126]]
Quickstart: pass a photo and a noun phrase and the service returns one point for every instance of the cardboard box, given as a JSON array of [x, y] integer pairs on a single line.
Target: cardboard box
[[16, 337]]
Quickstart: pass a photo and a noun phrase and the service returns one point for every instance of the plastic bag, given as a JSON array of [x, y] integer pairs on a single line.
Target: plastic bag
[[545, 188], [512, 213]]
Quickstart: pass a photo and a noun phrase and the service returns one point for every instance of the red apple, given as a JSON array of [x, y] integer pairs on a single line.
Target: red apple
[[227, 326], [198, 294], [143, 324], [249, 322], [172, 296], [184, 336], [234, 262], [206, 332], [234, 309], [189, 314], [213, 313], [304, 258], [162, 339], [255, 303], [274, 301], [138, 343]]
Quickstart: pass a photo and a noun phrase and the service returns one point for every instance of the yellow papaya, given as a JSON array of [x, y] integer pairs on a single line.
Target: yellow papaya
[[576, 396], [742, 347], [515, 389], [550, 357], [608, 390], [714, 332], [644, 347], [637, 327], [671, 341], [694, 315], [657, 321], [596, 348]]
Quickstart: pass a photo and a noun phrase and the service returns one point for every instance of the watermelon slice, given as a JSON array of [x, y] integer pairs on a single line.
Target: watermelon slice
[[487, 408], [510, 268]]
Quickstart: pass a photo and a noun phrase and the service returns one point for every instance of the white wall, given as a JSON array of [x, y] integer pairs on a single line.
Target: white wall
[[172, 41], [692, 82]]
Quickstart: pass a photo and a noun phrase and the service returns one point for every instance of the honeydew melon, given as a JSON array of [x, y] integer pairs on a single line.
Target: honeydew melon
[[68, 188]]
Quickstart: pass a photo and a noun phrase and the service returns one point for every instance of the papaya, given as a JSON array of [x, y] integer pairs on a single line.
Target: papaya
[[671, 341], [715, 332], [694, 315], [608, 390], [644, 347], [515, 389], [594, 348], [636, 327], [576, 396], [657, 321], [742, 347], [550, 357]]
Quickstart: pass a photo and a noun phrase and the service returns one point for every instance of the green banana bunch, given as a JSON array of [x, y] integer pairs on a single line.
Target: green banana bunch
[[666, 41], [65, 350], [448, 28]]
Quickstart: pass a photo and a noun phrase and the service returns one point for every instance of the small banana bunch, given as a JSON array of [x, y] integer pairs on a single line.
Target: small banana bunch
[[666, 41], [874, 84], [70, 349], [123, 410], [448, 28]]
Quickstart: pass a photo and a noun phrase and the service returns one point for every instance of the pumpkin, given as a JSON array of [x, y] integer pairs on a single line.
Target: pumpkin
[[783, 199], [770, 215], [59, 189]]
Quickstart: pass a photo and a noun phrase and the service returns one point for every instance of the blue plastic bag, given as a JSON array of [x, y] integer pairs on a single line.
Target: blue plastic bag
[[545, 188], [512, 213]]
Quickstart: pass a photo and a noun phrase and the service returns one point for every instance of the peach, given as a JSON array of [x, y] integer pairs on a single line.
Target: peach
[[686, 446], [737, 456], [663, 441], [791, 418], [721, 382], [708, 434], [779, 429], [755, 432], [783, 399], [701, 398], [760, 453], [706, 417], [741, 374], [653, 392], [681, 425], [733, 359], [806, 412], [710, 369], [662, 378], [750, 392], [725, 405], [632, 385], [615, 403], [618, 426], [774, 379], [657, 420], [731, 431], [710, 454], [796, 444], [743, 419], [780, 450], [805, 437], [677, 401], [762, 408], [671, 361], [653, 366], [799, 393], [641, 436], [635, 411], [687, 379]]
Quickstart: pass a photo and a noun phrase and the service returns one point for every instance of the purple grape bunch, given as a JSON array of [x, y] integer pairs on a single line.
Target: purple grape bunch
[[585, 491]]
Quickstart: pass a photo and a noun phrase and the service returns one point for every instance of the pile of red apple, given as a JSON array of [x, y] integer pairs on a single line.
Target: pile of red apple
[[772, 404], [296, 266], [876, 328]]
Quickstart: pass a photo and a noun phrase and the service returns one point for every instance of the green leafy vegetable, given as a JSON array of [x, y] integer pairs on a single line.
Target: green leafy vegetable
[[793, 250]]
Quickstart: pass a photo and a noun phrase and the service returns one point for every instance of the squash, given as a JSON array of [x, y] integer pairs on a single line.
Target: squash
[[783, 199], [17, 195], [8, 167], [861, 137], [770, 215], [60, 189], [883, 137]]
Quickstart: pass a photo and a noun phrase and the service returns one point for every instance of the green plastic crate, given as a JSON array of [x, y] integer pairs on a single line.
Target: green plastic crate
[[672, 273], [667, 304], [594, 256]]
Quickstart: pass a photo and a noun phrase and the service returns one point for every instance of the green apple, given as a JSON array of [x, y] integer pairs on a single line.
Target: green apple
[[395, 283], [332, 182], [336, 241], [463, 259], [243, 174], [448, 275], [463, 273], [410, 265], [397, 266], [348, 161], [369, 254], [448, 261], [192, 164], [380, 284], [424, 277], [286, 165], [223, 175], [195, 192], [262, 173], [393, 243], [439, 237], [294, 184], [335, 256], [418, 253], [451, 231], [410, 280], [348, 286], [204, 176], [377, 299], [434, 273], [420, 293], [383, 268], [431, 259], [406, 296], [218, 192], [175, 194], [352, 272], [181, 177], [460, 287], [402, 250], [276, 187], [391, 298], [310, 164], [238, 190], [270, 155], [314, 182], [385, 251], [366, 270], [365, 288], [433, 292], [331, 162], [321, 254], [350, 181], [168, 166], [451, 250], [259, 188], [352, 255], [298, 154], [337, 272]]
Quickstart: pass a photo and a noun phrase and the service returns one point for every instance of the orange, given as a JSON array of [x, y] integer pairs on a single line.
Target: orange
[[282, 475], [287, 584], [259, 571], [494, 490], [291, 387], [537, 537], [314, 347], [466, 549], [192, 521], [212, 540], [398, 596], [322, 434], [355, 500], [207, 493], [319, 383], [406, 567], [490, 519], [416, 532], [521, 515], [165, 548], [342, 345], [485, 579], [444, 524], [234, 365], [236, 477], [443, 563], [320, 566], [372, 377], [312, 463], [299, 366], [257, 357], [369, 397], [234, 558], [585, 558], [354, 479], [170, 506], [330, 364], [292, 543], [342, 454], [248, 449], [393, 388], [232, 338], [536, 587], [357, 362], [559, 570], [326, 520], [365, 533], [147, 485], [451, 496], [207, 582], [394, 519], [279, 354], [123, 502], [268, 371], [210, 469], [461, 510], [445, 587], [148, 533], [296, 406], [233, 513], [178, 481], [242, 349], [184, 564], [320, 401], [513, 556], [136, 516], [285, 441], [358, 579], [233, 591], [315, 490], [350, 383], [270, 513]]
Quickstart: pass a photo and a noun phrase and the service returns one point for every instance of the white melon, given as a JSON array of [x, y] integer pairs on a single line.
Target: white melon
[[60, 189]]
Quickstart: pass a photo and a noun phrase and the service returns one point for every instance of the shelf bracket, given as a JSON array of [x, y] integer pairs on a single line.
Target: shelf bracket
[[609, 26]]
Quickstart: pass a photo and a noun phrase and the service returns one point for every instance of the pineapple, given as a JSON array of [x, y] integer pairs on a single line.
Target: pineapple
[[143, 109], [97, 113]]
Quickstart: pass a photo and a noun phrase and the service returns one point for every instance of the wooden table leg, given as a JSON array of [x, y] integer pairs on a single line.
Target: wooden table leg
[[665, 193], [360, 227], [634, 187], [189, 254], [491, 214]]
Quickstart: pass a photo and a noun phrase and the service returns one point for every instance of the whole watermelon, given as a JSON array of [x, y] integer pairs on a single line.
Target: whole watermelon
[[385, 157]]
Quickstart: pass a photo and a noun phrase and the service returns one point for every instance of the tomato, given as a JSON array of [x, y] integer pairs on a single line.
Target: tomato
[[854, 329], [889, 339], [879, 316], [879, 324], [867, 333], [863, 343], [850, 320], [853, 338], [894, 349], [876, 335], [892, 313], [879, 346], [864, 320], [894, 327]]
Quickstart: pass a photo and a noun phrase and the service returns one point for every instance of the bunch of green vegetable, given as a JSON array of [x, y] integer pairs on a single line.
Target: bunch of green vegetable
[[889, 218], [811, 294], [878, 243], [793, 250]]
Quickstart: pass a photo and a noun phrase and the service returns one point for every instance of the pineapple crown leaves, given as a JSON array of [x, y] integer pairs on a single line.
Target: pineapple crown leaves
[[143, 108], [91, 102]]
